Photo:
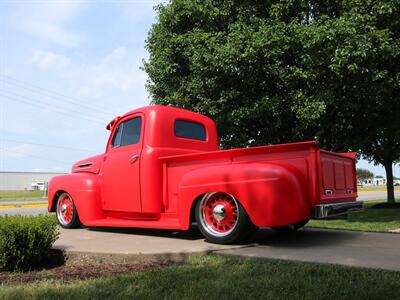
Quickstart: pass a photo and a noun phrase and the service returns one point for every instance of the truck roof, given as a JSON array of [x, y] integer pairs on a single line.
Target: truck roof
[[161, 120], [163, 108], [168, 110]]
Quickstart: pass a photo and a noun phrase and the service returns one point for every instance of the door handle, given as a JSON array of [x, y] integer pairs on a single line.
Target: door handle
[[133, 158]]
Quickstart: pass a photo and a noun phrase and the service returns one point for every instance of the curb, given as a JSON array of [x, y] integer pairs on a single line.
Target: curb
[[179, 257]]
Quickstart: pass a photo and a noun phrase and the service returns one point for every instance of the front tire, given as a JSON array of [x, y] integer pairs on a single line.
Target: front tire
[[67, 215], [222, 219]]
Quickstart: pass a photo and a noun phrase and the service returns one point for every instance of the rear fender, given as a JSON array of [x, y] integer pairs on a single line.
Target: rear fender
[[84, 189], [272, 194]]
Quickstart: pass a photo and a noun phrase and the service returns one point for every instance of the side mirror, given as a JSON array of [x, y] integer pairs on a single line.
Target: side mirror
[[112, 123]]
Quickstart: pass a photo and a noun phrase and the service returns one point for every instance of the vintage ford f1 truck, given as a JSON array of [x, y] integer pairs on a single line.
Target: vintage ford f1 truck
[[162, 168]]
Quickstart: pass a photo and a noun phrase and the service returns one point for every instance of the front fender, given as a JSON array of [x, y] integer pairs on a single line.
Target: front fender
[[84, 189], [272, 194]]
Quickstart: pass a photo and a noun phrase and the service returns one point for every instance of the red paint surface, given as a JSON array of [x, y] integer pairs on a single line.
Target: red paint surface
[[277, 185]]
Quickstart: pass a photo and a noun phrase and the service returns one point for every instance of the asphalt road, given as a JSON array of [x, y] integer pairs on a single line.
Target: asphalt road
[[365, 196], [23, 211]]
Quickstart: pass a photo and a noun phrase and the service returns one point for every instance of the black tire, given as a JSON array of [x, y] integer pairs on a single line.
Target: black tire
[[242, 229], [292, 227], [66, 219]]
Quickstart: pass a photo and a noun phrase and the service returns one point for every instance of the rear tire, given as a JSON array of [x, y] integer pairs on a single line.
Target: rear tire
[[67, 215], [222, 219]]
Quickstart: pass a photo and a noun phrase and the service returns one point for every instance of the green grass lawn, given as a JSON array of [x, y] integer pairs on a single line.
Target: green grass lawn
[[216, 277], [375, 188], [15, 195], [378, 220]]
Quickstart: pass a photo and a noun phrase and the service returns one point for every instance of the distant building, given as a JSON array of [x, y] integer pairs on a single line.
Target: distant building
[[374, 181], [15, 181]]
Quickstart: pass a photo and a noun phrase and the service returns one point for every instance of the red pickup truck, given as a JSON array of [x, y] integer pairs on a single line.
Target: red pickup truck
[[162, 168]]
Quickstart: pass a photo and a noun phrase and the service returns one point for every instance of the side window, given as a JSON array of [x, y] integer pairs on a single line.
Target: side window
[[127, 133], [190, 130]]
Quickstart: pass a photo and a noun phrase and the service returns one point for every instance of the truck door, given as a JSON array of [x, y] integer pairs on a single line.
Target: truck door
[[121, 167]]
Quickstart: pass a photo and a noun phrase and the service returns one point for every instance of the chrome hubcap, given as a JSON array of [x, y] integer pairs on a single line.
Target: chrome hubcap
[[219, 212]]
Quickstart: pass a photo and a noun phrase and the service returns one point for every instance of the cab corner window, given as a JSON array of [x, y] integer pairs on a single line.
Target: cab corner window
[[190, 130], [127, 133]]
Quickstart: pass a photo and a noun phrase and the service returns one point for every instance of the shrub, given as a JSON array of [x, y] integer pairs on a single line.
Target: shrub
[[26, 241]]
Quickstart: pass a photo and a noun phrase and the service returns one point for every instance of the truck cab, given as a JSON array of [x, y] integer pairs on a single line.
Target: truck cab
[[162, 168]]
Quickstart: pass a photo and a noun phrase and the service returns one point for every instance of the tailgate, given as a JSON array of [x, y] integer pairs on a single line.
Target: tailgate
[[337, 180]]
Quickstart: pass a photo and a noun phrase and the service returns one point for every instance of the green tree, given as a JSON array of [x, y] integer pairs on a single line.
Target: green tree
[[363, 174], [281, 71]]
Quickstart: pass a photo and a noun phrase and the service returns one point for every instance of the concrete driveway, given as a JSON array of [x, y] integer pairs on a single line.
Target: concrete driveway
[[375, 250]]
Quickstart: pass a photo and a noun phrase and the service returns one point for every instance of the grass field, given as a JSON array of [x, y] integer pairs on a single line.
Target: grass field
[[377, 220], [215, 277], [376, 188], [15, 195]]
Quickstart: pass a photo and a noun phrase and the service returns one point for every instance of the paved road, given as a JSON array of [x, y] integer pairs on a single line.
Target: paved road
[[134, 241], [365, 196], [351, 248], [375, 250], [23, 211]]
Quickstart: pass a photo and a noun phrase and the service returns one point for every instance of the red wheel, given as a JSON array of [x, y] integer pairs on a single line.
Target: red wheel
[[67, 214], [219, 213], [221, 218]]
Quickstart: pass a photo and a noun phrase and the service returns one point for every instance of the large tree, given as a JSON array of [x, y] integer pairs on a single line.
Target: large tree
[[281, 71], [363, 175]]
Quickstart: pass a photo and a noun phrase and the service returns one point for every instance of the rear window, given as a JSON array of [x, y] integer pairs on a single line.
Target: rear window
[[190, 130]]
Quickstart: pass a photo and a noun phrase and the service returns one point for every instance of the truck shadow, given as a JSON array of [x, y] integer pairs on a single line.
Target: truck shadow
[[308, 237], [192, 234]]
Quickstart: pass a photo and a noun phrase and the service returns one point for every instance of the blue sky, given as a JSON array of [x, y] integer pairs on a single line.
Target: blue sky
[[66, 69]]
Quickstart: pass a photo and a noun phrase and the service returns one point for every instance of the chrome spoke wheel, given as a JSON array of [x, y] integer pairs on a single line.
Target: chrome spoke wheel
[[65, 209], [219, 214]]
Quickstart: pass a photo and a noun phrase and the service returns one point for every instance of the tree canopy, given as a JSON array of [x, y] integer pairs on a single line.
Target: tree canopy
[[281, 71], [364, 174]]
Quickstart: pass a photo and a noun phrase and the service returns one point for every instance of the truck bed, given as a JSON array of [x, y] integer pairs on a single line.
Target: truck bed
[[327, 176]]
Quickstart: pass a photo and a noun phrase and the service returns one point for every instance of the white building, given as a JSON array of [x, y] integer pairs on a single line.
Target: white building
[[15, 181], [375, 181]]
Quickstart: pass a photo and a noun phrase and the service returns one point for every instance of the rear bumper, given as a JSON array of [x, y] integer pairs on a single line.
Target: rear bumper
[[322, 211]]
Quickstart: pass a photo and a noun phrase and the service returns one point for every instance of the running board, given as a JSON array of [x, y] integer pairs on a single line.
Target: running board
[[115, 222]]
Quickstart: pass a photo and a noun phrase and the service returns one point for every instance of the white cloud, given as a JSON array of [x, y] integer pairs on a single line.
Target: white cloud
[[48, 21], [117, 71], [48, 59], [116, 54]]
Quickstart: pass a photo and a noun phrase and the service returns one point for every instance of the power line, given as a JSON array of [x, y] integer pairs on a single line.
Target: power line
[[43, 91], [46, 145], [23, 99], [34, 156], [48, 105]]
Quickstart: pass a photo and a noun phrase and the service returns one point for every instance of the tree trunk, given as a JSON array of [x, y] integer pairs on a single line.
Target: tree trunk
[[389, 182]]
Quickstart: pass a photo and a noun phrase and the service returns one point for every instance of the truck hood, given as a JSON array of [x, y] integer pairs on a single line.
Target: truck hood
[[88, 165]]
